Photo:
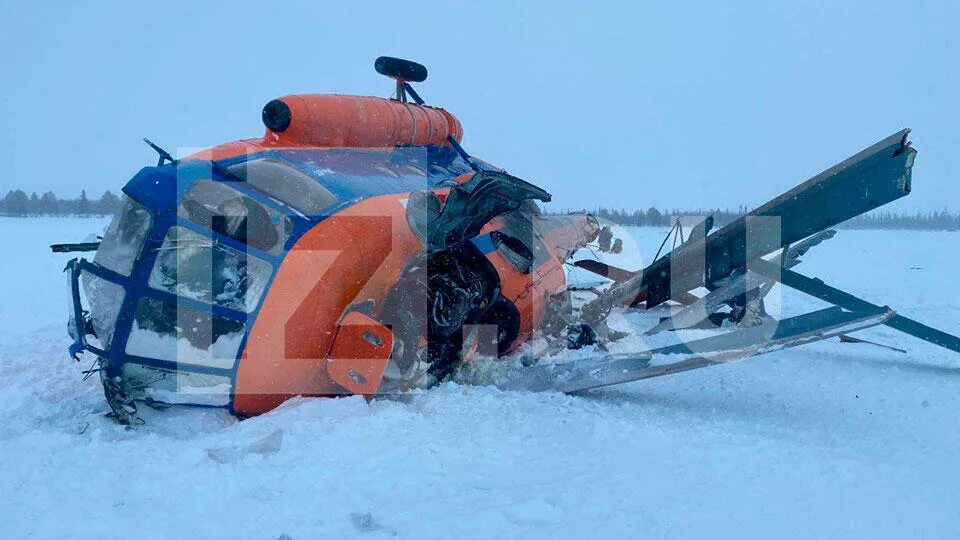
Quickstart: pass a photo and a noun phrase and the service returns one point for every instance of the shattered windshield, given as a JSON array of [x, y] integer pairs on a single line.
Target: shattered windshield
[[178, 386], [178, 334], [224, 210], [193, 266], [124, 238], [285, 184], [104, 299]]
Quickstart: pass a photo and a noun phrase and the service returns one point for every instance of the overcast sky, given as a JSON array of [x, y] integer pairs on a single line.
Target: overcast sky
[[626, 104]]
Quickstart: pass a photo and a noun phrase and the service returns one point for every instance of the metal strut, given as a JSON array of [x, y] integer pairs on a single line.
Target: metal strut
[[404, 86], [818, 289]]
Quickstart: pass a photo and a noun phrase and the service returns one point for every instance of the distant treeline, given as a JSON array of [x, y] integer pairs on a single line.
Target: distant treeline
[[18, 203], [925, 221]]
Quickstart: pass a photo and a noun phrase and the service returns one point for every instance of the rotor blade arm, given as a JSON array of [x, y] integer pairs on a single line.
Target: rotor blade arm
[[584, 373], [818, 289]]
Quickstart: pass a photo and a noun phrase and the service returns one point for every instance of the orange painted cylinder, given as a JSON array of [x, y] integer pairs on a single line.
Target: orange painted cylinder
[[355, 122]]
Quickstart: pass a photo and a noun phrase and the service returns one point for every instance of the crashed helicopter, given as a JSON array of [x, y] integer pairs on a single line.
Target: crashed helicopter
[[357, 248]]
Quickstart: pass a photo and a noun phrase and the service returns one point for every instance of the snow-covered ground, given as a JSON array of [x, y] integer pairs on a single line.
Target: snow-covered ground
[[829, 440]]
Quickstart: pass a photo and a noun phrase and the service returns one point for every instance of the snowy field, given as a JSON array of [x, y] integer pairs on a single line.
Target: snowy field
[[831, 440]]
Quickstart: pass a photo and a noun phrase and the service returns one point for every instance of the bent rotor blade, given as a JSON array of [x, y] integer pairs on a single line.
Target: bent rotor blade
[[867, 180], [850, 339], [609, 369], [733, 286], [818, 289]]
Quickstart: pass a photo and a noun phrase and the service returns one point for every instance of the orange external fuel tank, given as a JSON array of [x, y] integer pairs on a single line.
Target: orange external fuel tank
[[352, 121]]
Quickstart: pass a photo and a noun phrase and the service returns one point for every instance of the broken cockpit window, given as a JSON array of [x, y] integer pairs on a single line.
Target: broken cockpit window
[[175, 333], [224, 210], [104, 298], [285, 183], [197, 267], [176, 386], [124, 238]]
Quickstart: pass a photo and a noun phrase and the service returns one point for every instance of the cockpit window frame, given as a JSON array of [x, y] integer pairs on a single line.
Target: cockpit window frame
[[284, 229], [233, 170]]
